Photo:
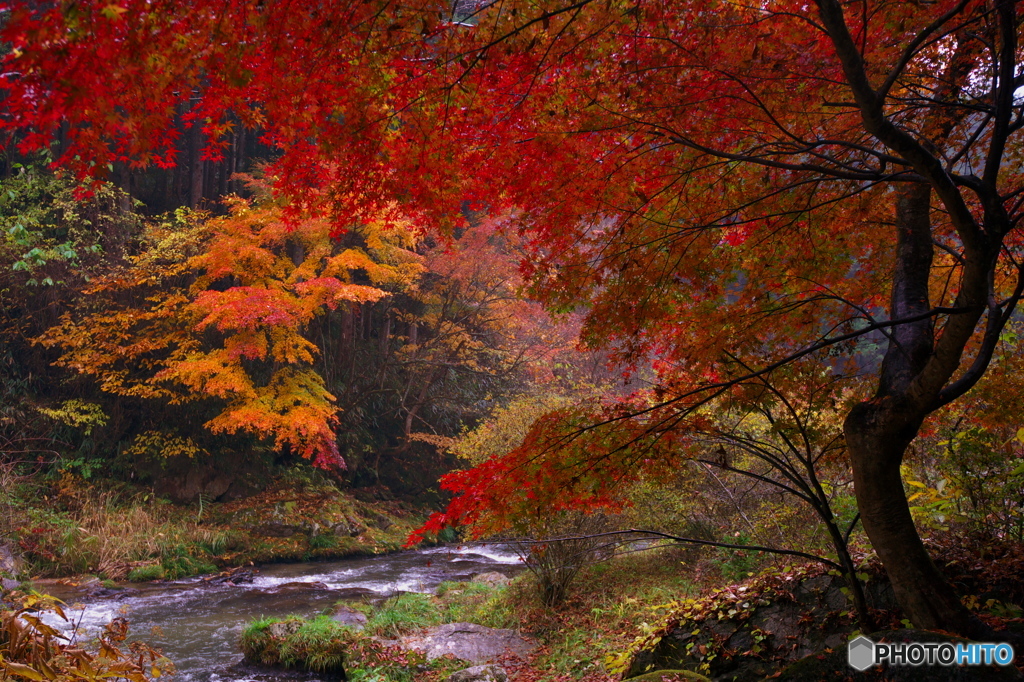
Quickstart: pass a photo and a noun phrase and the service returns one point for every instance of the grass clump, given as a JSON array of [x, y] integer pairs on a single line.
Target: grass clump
[[144, 574], [321, 645], [402, 614], [479, 603], [318, 645], [323, 541]]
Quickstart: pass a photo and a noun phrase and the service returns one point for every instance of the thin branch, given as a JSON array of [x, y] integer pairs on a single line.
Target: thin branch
[[849, 530], [683, 540]]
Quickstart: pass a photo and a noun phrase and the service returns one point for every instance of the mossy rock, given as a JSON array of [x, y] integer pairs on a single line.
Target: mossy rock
[[833, 664], [670, 676]]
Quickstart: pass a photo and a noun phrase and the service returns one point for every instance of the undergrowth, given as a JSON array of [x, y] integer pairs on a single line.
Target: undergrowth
[[602, 613], [33, 650], [70, 527], [114, 534]]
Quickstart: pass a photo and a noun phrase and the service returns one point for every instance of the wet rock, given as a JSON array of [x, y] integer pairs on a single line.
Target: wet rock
[[241, 575], [469, 642], [750, 636], [670, 676], [8, 584], [186, 480], [374, 493], [492, 578], [259, 673], [113, 593], [378, 520], [297, 586], [10, 561], [349, 617], [480, 673], [347, 528], [353, 592]]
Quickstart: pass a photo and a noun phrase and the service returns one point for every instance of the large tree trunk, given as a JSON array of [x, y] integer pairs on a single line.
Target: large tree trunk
[[927, 598]]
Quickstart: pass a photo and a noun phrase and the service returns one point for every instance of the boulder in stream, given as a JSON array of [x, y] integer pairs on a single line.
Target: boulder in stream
[[469, 642], [235, 576], [492, 579]]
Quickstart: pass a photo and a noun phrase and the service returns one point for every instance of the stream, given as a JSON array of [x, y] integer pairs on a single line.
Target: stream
[[197, 624]]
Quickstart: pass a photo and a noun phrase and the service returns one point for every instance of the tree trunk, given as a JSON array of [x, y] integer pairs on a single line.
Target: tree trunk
[[927, 599], [195, 176]]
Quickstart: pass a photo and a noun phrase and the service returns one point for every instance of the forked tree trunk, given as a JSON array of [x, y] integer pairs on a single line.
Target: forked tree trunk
[[879, 431]]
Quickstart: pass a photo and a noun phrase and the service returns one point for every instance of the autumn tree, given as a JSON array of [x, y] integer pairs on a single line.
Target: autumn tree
[[710, 180], [229, 305], [720, 182]]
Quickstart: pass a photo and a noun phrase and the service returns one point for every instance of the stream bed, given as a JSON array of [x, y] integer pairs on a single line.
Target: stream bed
[[197, 624]]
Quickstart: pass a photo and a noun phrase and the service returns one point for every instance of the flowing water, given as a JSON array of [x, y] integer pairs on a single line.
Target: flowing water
[[197, 624]]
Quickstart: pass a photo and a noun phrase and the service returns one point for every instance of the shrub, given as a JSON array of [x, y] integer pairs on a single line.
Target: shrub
[[563, 546]]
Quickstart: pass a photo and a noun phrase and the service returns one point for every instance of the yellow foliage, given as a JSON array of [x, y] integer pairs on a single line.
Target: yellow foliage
[[161, 444], [78, 414]]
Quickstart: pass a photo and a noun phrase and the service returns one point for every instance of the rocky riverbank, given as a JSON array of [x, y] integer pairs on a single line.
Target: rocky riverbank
[[414, 636]]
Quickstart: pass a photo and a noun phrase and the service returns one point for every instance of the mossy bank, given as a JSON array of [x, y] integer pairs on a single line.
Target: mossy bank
[[74, 527]]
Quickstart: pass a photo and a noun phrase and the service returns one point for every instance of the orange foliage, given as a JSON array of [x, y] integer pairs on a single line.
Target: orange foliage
[[218, 307]]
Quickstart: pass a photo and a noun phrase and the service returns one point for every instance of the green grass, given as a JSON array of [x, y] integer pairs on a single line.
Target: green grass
[[600, 617], [146, 573], [475, 603], [323, 541], [404, 613], [181, 561]]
